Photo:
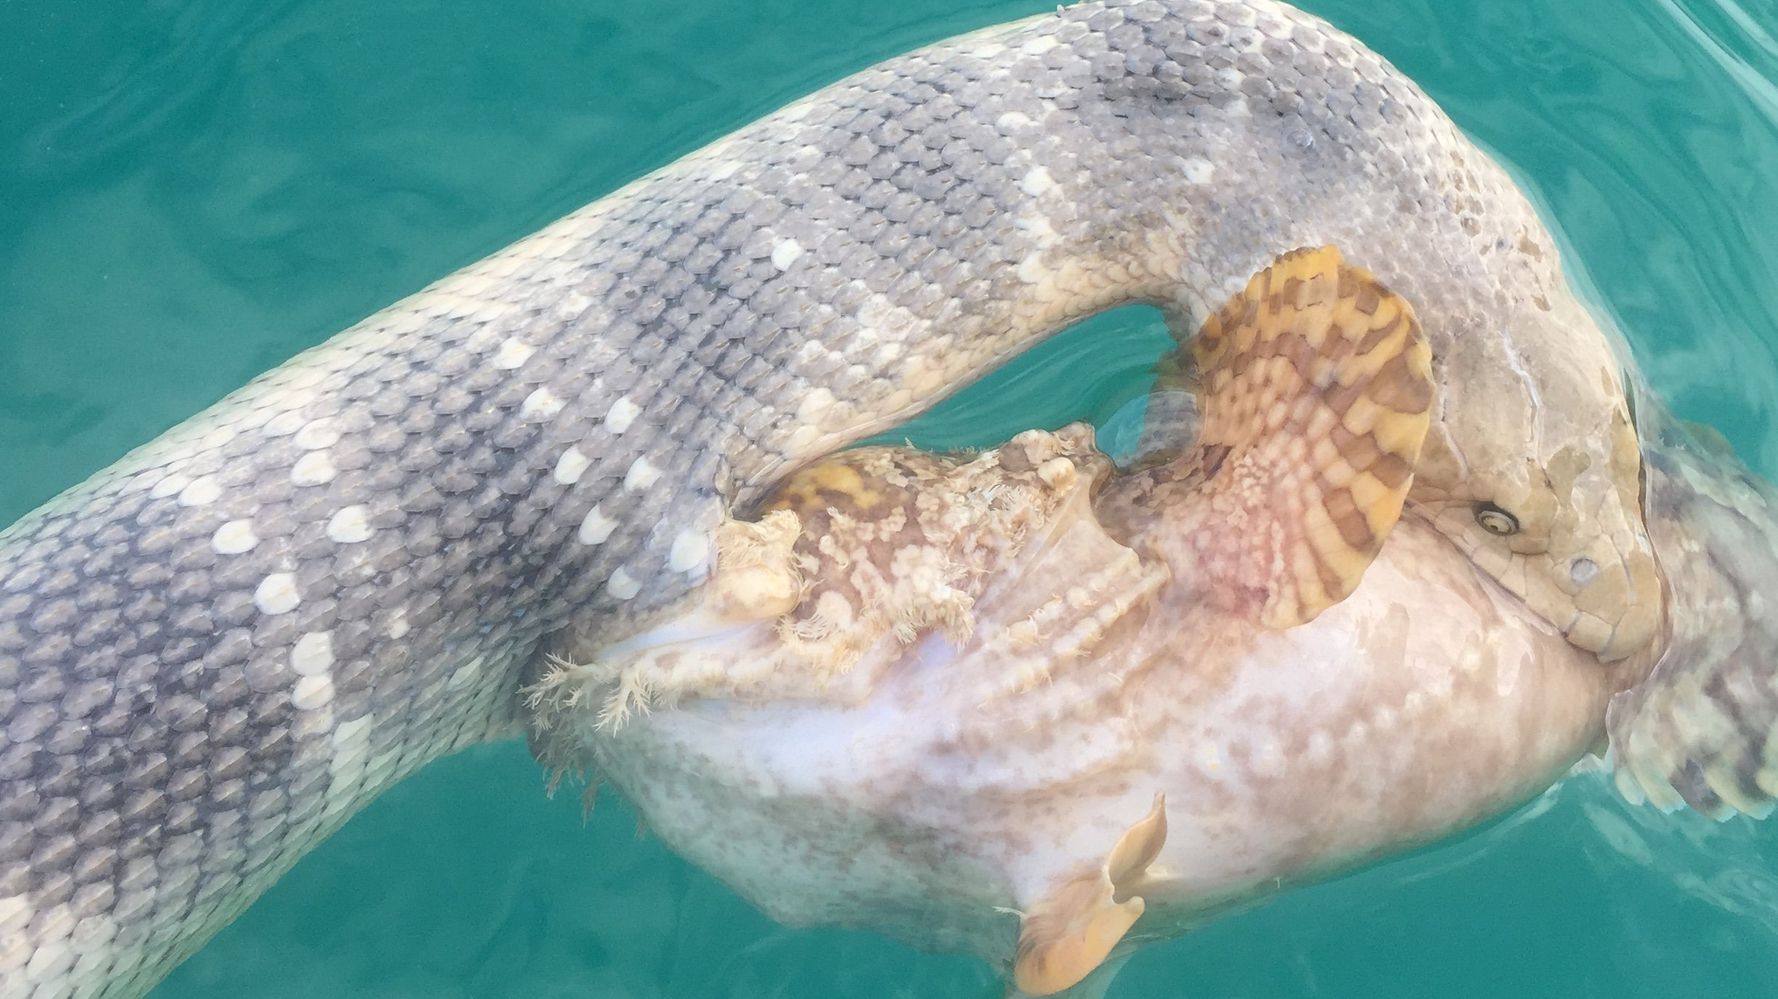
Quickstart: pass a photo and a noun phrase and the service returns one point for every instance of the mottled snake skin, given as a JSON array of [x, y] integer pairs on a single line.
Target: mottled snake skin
[[215, 651]]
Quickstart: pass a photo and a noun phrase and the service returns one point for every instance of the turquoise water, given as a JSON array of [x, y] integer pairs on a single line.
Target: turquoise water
[[191, 192]]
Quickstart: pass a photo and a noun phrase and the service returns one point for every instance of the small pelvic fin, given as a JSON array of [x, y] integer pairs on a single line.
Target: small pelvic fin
[[1137, 848], [1315, 388], [1068, 934]]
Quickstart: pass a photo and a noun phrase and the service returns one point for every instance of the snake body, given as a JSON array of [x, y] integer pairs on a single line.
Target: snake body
[[213, 652]]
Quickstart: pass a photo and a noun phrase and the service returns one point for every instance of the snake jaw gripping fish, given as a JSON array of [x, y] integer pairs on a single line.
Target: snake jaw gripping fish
[[1544, 496], [216, 650]]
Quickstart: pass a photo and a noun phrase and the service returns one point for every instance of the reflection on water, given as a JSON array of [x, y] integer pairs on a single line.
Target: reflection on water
[[195, 191]]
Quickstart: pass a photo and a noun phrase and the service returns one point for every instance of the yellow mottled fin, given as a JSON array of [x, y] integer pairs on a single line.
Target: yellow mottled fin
[[1315, 387], [1072, 930], [1701, 729]]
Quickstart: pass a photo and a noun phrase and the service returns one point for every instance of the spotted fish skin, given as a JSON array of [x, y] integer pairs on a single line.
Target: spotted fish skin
[[1702, 729], [213, 652]]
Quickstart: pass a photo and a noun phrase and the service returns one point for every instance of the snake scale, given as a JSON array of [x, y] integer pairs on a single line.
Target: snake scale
[[215, 651]]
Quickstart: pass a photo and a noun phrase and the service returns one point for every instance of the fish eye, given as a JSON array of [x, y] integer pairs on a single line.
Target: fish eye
[[1495, 521]]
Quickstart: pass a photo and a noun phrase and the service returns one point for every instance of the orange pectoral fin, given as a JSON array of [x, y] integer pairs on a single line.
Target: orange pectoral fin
[[1315, 385]]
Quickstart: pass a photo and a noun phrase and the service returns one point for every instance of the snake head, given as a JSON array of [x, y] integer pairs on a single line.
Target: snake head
[[1534, 470]]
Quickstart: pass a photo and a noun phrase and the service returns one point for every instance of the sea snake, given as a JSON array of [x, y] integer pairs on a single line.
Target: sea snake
[[215, 651]]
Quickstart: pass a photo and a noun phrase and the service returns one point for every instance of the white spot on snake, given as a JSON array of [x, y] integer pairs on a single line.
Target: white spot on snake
[[922, 374], [15, 914], [317, 434], [168, 486], [815, 405], [621, 415], [348, 525], [641, 475], [570, 466], [350, 734], [217, 438], [284, 424], [1198, 171], [276, 594], [1039, 45], [786, 253], [879, 320], [298, 376], [312, 655], [512, 353], [803, 438], [691, 550], [312, 692], [540, 405], [247, 417], [234, 537], [1042, 233], [313, 469], [398, 625], [572, 305], [351, 750], [1036, 181], [596, 527], [622, 585], [1012, 120], [200, 492]]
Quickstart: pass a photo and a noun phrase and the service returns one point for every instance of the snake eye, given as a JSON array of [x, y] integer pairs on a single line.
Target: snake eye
[[1496, 521]]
